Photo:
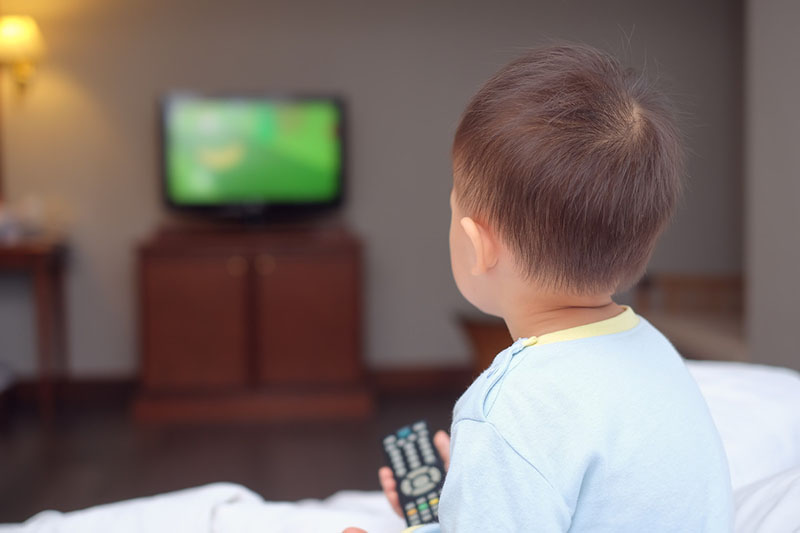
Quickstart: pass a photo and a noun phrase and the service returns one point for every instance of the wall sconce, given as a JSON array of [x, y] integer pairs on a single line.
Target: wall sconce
[[20, 46]]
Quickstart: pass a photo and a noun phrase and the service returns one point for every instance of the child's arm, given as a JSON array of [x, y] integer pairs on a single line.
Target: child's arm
[[442, 442], [491, 487]]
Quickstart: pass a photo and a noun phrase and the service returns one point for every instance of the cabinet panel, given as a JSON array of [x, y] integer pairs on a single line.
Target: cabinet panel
[[308, 317], [195, 321]]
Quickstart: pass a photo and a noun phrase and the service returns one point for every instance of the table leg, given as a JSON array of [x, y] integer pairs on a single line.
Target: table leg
[[60, 319], [43, 289]]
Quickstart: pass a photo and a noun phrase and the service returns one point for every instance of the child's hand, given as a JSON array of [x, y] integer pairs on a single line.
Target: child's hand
[[442, 442]]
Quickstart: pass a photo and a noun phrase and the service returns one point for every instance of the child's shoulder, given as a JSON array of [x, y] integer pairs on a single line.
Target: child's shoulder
[[576, 380]]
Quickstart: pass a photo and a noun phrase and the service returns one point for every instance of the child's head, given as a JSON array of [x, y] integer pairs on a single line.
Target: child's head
[[569, 167]]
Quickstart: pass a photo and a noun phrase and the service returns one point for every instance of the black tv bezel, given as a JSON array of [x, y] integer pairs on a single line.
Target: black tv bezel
[[255, 211]]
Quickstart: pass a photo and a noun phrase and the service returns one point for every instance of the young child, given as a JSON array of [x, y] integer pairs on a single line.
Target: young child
[[566, 170]]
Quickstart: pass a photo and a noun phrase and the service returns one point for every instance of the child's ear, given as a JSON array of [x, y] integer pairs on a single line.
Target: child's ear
[[484, 246]]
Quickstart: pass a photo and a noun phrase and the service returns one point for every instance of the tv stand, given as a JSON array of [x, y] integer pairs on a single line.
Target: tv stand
[[246, 324]]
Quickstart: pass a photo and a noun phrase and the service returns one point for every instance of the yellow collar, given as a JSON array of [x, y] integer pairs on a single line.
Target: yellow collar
[[617, 324]]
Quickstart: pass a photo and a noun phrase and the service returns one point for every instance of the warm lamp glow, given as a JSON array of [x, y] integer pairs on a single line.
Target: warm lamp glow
[[20, 45]]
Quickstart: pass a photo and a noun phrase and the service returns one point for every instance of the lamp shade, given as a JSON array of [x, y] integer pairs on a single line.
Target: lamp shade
[[20, 40]]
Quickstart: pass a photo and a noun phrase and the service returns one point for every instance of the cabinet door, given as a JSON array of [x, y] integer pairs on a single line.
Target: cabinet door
[[308, 318], [195, 329]]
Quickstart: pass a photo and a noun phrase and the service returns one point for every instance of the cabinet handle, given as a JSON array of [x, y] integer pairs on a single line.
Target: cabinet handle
[[237, 266], [265, 264]]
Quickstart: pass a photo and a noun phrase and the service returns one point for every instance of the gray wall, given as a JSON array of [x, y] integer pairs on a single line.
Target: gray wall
[[83, 136], [773, 180]]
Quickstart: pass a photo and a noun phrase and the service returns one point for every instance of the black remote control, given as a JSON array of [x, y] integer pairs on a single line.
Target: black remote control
[[418, 470]]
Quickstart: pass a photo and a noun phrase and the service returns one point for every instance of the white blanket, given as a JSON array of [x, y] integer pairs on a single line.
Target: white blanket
[[757, 412], [221, 508], [754, 408]]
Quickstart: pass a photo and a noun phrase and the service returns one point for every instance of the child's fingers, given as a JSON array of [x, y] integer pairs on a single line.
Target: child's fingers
[[386, 477], [389, 486], [442, 442]]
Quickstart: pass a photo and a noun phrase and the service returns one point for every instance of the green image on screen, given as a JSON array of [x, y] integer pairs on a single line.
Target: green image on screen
[[241, 151]]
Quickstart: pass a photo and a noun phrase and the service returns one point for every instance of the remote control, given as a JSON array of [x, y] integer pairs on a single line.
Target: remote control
[[418, 470]]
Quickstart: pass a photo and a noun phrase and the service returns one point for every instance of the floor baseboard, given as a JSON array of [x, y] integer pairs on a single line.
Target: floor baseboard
[[117, 392], [428, 380], [75, 393]]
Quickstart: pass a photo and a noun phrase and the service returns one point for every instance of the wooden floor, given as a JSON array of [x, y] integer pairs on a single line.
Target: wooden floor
[[94, 456]]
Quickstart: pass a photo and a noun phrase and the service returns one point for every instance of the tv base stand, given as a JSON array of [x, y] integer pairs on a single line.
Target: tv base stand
[[251, 325]]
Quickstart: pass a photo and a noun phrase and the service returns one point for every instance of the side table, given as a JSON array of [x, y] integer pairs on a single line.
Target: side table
[[44, 260]]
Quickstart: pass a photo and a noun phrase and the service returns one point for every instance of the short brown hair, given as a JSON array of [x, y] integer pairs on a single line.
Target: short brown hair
[[575, 161]]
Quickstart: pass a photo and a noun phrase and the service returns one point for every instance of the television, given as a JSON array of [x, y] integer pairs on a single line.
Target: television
[[252, 157]]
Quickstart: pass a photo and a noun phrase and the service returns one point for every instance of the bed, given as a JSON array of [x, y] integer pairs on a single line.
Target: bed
[[756, 409]]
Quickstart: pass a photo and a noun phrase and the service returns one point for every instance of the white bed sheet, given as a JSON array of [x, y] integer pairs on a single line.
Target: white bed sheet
[[756, 409]]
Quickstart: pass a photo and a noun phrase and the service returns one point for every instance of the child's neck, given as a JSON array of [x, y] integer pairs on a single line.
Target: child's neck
[[545, 314]]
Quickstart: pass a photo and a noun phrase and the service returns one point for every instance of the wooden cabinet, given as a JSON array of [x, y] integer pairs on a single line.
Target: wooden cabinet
[[305, 308], [251, 325], [195, 321]]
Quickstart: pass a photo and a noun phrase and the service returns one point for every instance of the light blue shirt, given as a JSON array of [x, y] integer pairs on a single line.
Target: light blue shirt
[[604, 433]]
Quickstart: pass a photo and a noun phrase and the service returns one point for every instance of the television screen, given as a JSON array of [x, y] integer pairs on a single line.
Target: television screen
[[252, 151]]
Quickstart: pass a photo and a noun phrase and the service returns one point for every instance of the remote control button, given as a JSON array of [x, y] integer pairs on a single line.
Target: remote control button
[[389, 440], [411, 512], [424, 488], [401, 442], [406, 488], [419, 471], [434, 501], [404, 432], [414, 463], [420, 481], [410, 505], [419, 426], [412, 437]]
